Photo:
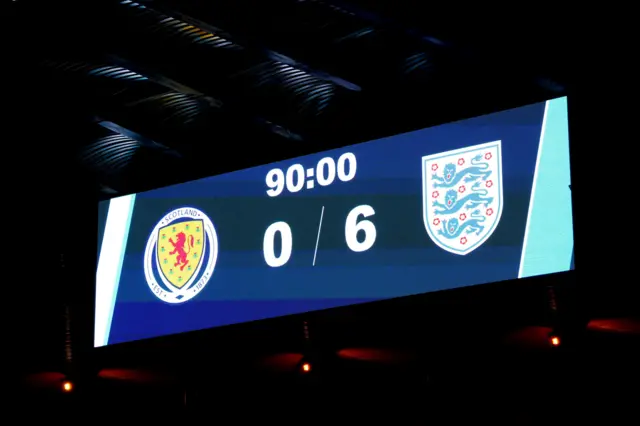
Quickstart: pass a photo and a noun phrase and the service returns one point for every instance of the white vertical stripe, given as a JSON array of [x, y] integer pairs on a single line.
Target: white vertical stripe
[[114, 242], [315, 252], [533, 190]]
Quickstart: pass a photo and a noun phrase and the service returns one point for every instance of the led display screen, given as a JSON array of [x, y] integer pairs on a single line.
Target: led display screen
[[478, 201]]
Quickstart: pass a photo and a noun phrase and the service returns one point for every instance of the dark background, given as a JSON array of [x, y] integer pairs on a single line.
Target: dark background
[[75, 133]]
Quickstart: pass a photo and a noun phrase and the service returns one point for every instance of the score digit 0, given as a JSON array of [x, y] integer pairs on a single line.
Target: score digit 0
[[286, 244], [360, 235], [296, 178]]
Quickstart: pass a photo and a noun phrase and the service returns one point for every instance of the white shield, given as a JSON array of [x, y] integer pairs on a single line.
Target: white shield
[[462, 196]]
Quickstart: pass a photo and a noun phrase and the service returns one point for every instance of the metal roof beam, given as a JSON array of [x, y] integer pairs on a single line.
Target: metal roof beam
[[144, 141], [182, 88], [171, 10], [379, 20], [154, 76]]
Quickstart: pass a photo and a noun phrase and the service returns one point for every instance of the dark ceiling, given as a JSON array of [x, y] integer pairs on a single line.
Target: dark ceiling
[[156, 92]]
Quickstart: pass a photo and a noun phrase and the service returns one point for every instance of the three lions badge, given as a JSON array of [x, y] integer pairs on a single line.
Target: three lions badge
[[180, 255], [462, 196]]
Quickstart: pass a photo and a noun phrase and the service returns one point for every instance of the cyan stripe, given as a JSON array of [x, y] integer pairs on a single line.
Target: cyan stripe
[[111, 257], [548, 240]]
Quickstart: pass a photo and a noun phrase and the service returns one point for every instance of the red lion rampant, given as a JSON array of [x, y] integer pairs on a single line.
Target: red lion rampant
[[181, 249]]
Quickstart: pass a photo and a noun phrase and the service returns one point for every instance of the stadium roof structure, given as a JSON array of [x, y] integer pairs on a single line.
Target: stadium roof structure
[[149, 93]]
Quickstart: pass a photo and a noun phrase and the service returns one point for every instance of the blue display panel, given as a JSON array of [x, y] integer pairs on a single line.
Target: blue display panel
[[472, 202]]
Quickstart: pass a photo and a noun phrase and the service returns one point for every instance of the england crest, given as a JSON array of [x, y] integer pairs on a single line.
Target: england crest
[[462, 196]]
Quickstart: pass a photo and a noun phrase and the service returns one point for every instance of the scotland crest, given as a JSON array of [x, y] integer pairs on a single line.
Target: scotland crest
[[462, 196]]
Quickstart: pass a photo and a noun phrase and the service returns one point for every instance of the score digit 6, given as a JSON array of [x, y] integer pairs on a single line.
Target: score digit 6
[[352, 227]]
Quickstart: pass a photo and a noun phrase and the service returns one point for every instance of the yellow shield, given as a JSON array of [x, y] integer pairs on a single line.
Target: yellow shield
[[179, 250]]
